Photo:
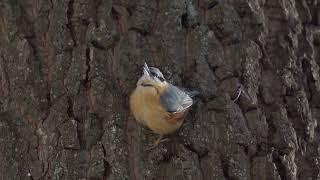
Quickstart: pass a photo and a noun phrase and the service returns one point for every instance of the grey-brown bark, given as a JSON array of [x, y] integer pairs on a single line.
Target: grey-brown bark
[[67, 69]]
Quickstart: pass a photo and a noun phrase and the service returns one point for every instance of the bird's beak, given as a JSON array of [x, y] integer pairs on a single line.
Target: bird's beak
[[146, 69]]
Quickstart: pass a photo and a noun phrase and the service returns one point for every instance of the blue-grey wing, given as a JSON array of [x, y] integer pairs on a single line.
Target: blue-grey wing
[[175, 100]]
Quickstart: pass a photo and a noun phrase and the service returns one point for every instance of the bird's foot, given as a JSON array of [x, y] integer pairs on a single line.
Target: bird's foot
[[242, 92], [238, 96], [158, 141]]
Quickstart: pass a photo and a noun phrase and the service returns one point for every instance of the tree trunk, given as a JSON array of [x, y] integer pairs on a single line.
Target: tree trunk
[[67, 69]]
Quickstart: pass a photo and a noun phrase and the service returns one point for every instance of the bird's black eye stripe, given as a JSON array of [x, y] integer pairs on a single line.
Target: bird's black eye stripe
[[157, 76], [153, 74], [161, 79]]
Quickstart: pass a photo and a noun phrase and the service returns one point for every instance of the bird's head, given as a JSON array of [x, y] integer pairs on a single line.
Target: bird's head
[[151, 77]]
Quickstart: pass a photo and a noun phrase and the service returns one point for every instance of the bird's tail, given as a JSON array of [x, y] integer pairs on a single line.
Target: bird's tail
[[191, 93]]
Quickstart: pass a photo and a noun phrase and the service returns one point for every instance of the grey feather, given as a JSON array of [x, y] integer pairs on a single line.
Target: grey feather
[[175, 100], [190, 92]]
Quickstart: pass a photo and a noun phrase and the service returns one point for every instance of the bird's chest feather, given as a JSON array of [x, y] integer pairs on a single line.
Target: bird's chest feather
[[147, 110]]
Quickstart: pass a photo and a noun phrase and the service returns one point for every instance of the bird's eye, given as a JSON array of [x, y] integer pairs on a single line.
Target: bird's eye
[[161, 79]]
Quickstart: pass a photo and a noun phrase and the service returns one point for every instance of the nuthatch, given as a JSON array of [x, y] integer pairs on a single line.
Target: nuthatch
[[158, 104]]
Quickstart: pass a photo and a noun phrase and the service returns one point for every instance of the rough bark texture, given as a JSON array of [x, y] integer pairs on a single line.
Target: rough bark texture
[[67, 68]]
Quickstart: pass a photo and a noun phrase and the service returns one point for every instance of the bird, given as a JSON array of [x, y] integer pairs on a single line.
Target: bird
[[158, 104]]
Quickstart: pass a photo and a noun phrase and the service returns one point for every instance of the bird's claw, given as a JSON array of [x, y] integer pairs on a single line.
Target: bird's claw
[[244, 93], [157, 142], [238, 96]]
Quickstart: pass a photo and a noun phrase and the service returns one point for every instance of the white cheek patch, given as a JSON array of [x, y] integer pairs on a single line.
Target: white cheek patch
[[142, 79]]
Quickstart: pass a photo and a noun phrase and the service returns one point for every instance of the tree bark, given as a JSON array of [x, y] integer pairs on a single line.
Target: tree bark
[[67, 69]]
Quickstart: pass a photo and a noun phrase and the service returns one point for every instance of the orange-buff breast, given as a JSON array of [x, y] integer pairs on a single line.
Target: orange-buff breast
[[147, 110]]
